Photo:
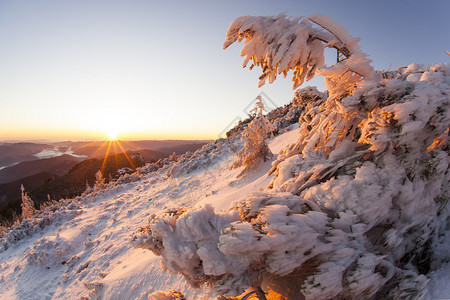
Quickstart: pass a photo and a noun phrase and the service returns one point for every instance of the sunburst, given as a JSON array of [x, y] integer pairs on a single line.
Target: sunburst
[[111, 148], [115, 143], [112, 135]]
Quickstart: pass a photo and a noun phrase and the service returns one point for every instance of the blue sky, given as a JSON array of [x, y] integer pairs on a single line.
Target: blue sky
[[156, 69]]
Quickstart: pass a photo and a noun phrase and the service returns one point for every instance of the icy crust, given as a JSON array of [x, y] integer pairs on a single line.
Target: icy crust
[[56, 213], [358, 206]]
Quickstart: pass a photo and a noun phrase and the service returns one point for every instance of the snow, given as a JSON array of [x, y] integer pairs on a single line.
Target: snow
[[62, 260], [280, 44], [439, 282]]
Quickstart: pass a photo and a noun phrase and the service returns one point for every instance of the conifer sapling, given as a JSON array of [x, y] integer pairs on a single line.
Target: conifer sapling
[[254, 137]]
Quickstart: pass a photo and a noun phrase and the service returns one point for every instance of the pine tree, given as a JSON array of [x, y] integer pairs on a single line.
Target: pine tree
[[99, 180], [28, 210], [254, 137]]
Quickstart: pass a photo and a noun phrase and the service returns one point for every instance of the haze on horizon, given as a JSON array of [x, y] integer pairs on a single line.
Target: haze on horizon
[[80, 70]]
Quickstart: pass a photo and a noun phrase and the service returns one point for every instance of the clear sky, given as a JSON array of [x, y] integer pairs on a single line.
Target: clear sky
[[156, 69]]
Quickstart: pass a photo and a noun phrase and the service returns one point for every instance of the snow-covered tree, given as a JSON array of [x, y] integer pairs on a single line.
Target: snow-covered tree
[[254, 137], [28, 210], [99, 180], [280, 44], [358, 204]]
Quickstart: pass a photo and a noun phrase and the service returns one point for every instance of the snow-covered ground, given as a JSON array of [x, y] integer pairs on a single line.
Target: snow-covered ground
[[90, 250], [88, 253], [355, 205]]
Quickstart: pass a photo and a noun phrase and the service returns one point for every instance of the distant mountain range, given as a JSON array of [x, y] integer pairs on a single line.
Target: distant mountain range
[[100, 148], [56, 165], [74, 182], [11, 154]]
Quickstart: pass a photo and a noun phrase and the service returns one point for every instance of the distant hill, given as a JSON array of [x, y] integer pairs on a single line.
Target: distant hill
[[12, 153], [100, 149], [56, 165], [10, 194], [74, 182]]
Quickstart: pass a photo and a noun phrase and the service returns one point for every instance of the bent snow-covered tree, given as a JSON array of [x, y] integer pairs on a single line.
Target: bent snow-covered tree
[[358, 203], [280, 44]]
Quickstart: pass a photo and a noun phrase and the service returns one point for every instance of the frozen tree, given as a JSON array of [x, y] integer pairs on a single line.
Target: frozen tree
[[358, 204], [280, 44], [254, 137], [99, 180], [28, 210]]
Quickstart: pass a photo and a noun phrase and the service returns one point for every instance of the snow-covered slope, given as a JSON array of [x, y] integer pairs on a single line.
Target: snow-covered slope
[[85, 244], [81, 247]]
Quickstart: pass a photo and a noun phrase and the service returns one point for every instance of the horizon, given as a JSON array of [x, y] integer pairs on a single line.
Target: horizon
[[82, 70], [12, 141]]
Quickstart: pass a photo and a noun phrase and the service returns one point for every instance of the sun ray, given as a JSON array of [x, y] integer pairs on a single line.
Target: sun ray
[[93, 143], [126, 155], [130, 144], [99, 148], [106, 157], [116, 154]]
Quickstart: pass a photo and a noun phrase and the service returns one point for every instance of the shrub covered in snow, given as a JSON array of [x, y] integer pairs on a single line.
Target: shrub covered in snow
[[54, 212], [204, 157], [358, 204]]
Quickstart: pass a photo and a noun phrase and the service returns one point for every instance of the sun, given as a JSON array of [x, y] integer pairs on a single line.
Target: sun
[[112, 135]]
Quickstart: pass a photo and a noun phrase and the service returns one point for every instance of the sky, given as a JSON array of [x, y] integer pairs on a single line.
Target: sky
[[83, 69]]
